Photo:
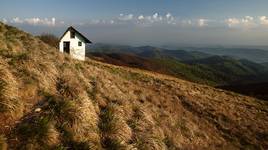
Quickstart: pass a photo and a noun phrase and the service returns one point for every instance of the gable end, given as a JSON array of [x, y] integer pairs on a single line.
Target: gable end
[[71, 29]]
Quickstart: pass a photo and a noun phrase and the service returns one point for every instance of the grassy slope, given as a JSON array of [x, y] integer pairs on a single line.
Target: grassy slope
[[258, 90], [50, 101]]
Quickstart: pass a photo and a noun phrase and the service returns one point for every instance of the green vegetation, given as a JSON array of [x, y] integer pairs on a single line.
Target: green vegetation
[[112, 144], [50, 39], [108, 127], [195, 73], [137, 116], [14, 56], [60, 108], [107, 123], [35, 131]]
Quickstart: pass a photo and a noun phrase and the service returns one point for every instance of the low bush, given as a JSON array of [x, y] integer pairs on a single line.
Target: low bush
[[49, 39]]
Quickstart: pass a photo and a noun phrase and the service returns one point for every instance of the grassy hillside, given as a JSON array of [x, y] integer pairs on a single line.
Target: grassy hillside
[[258, 90], [50, 101]]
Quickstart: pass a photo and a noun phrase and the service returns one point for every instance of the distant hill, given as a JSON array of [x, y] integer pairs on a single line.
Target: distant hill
[[148, 52], [215, 70], [265, 64], [187, 53], [252, 54], [230, 66], [167, 66], [49, 101]]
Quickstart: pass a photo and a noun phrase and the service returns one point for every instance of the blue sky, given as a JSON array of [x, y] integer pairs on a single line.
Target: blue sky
[[150, 22]]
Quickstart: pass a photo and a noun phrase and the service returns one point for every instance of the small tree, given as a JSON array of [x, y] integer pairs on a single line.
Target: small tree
[[49, 39]]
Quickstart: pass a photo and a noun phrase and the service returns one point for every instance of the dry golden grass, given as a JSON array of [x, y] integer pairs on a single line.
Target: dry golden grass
[[3, 144], [9, 100], [55, 102]]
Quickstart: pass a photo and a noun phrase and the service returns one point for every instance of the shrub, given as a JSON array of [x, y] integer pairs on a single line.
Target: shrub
[[14, 57], [60, 108], [112, 144], [107, 123], [137, 116], [34, 130], [49, 39], [108, 128]]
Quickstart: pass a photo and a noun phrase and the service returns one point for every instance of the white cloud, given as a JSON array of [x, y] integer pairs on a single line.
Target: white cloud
[[168, 15], [16, 20], [202, 22], [247, 19], [4, 20], [245, 22], [126, 17], [53, 21], [263, 20], [168, 19], [231, 22], [155, 16], [35, 21], [32, 21], [141, 17], [186, 23], [38, 21]]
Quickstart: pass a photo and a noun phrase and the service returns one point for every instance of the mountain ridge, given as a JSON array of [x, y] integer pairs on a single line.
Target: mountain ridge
[[219, 69]]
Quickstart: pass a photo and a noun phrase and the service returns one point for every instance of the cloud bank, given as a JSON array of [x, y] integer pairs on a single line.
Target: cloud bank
[[157, 29], [155, 19], [36, 21]]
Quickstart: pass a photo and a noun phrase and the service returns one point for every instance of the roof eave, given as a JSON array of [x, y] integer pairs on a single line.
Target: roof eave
[[72, 28]]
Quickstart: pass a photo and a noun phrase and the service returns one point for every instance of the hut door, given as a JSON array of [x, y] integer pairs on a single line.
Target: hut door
[[66, 47]]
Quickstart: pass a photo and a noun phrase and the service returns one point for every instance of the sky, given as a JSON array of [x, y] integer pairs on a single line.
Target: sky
[[145, 22]]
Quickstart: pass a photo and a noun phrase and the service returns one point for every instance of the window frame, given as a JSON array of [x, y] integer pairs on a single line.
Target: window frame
[[80, 43], [72, 34]]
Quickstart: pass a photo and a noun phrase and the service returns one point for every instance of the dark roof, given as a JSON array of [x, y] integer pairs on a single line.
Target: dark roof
[[73, 29]]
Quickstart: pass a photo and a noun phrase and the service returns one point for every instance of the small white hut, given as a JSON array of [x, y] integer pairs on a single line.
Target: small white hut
[[74, 43]]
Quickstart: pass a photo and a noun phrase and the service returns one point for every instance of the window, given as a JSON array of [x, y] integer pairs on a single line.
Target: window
[[79, 43], [72, 34]]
